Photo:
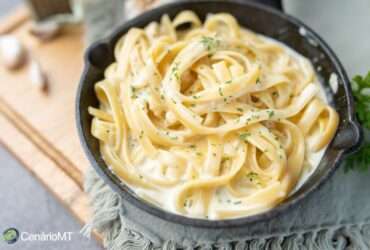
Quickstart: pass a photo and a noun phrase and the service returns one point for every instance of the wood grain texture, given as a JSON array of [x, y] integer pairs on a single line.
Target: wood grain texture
[[41, 143], [38, 129], [45, 170], [14, 19]]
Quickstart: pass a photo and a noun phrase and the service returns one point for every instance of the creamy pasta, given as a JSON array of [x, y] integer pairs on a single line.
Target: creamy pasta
[[209, 120]]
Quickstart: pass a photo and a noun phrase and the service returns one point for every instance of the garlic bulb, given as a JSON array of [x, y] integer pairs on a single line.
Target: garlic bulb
[[12, 52]]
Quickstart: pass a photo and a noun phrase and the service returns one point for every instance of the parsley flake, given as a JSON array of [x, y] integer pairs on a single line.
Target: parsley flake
[[244, 136], [209, 43], [220, 91]]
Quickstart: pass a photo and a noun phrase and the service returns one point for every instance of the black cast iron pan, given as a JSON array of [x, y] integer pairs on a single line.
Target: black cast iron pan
[[269, 21]]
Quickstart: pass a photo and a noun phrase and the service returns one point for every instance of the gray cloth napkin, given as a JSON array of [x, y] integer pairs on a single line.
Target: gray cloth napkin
[[337, 216]]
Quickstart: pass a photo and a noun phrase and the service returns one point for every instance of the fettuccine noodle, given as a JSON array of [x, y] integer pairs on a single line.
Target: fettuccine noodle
[[209, 120]]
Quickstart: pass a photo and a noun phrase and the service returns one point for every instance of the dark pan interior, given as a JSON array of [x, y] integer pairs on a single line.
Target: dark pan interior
[[262, 20]]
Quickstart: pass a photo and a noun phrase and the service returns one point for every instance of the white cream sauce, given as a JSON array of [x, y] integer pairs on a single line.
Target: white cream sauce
[[312, 159]]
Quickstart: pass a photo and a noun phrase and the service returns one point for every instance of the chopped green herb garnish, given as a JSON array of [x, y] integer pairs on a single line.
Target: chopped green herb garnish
[[244, 136], [271, 113], [240, 109], [133, 93], [175, 71], [252, 176], [220, 91], [210, 43]]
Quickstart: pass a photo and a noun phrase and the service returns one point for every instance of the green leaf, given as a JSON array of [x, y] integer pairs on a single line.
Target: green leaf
[[361, 93], [360, 160]]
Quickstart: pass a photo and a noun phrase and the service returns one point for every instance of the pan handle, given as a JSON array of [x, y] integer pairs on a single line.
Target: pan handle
[[349, 138], [277, 4]]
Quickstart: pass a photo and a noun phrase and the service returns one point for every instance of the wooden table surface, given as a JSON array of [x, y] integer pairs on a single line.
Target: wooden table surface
[[39, 129], [39, 132]]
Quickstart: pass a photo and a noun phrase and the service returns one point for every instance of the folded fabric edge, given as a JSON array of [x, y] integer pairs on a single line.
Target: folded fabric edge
[[108, 220]]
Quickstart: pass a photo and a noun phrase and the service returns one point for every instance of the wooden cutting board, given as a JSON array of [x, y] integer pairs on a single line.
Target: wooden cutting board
[[38, 129]]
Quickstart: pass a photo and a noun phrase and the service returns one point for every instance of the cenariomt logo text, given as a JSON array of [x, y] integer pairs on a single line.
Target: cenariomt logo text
[[12, 235]]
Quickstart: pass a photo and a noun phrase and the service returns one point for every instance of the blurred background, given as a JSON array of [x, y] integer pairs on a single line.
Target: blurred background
[[25, 203]]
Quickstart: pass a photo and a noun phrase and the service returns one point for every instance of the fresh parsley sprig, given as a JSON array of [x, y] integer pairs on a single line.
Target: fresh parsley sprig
[[361, 93], [360, 160]]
